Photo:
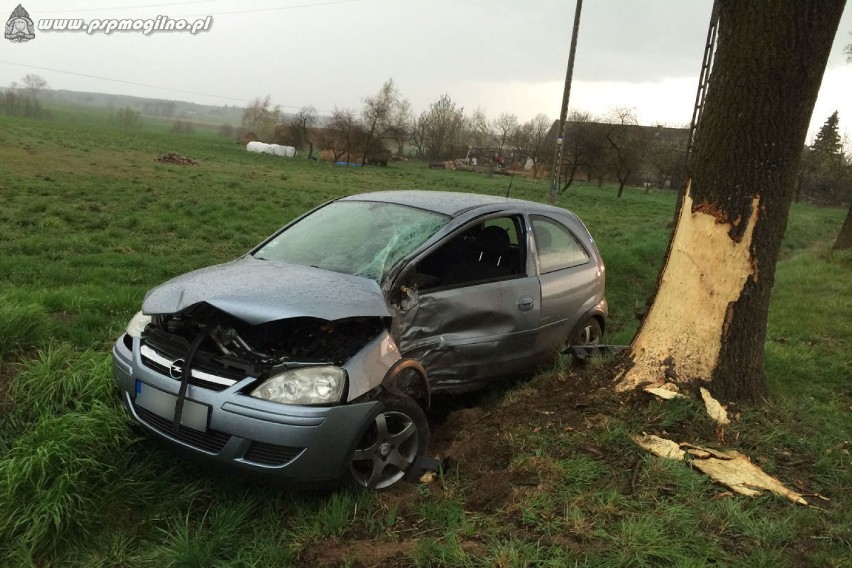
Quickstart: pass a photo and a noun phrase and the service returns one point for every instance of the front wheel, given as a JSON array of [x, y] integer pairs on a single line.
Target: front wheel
[[589, 333], [387, 448]]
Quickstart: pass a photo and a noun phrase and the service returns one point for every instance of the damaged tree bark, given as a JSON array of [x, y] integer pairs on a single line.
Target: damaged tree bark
[[707, 322]]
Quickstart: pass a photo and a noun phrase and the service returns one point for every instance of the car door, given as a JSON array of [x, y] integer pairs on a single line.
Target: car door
[[472, 306], [568, 278]]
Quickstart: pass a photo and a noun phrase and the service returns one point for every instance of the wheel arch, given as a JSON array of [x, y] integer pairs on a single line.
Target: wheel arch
[[410, 378]]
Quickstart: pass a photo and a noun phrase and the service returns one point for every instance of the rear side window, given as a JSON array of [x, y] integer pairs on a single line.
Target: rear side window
[[557, 246]]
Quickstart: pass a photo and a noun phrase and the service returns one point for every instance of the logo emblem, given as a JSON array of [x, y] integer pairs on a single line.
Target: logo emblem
[[176, 370], [19, 26]]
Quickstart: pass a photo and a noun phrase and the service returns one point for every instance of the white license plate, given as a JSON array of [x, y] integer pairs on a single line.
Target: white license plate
[[194, 415]]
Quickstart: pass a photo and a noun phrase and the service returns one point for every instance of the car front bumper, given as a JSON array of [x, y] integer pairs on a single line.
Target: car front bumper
[[299, 444]]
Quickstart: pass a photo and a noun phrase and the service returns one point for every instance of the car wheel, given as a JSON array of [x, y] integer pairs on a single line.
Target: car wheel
[[589, 333], [387, 448]]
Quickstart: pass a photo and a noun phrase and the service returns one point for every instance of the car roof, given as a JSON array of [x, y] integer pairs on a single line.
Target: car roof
[[449, 202]]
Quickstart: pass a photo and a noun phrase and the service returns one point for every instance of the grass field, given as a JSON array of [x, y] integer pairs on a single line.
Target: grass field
[[543, 472]]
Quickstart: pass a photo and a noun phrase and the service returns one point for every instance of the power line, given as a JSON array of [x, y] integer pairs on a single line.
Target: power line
[[212, 13]]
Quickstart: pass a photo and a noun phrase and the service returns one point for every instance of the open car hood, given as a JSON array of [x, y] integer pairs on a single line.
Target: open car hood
[[260, 291]]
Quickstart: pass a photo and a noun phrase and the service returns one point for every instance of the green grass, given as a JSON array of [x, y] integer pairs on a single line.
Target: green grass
[[91, 222]]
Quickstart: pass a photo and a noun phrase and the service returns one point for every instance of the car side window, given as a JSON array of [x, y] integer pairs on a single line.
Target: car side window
[[481, 252], [556, 245]]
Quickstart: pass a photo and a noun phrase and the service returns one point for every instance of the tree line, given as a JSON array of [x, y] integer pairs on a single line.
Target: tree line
[[613, 148]]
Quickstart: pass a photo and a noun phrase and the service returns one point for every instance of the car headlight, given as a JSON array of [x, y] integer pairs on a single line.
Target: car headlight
[[307, 385], [137, 324]]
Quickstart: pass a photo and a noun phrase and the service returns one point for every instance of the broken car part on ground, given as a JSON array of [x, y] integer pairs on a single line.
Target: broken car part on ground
[[314, 357]]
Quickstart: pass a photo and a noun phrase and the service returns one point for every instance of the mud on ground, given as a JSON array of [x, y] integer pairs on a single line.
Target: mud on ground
[[472, 435]]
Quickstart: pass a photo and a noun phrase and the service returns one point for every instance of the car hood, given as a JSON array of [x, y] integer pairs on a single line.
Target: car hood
[[260, 291]]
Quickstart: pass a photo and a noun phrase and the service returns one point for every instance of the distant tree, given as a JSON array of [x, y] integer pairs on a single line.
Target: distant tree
[[532, 138], [627, 144], [827, 140], [127, 117], [385, 115], [504, 128], [580, 147], [34, 84], [417, 134], [259, 118], [824, 171], [438, 129], [342, 130], [479, 129], [23, 100], [303, 121], [399, 132], [664, 159]]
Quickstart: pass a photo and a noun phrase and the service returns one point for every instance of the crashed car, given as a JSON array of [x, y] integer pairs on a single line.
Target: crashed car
[[314, 357]]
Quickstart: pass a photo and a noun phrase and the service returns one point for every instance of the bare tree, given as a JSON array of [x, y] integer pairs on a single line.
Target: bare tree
[[504, 127], [341, 133], [34, 84], [707, 323], [479, 129], [259, 118], [532, 138], [417, 134], [302, 122], [627, 143], [579, 145], [384, 115], [440, 128]]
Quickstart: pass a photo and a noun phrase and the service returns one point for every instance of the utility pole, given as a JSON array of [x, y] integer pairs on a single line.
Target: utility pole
[[563, 115]]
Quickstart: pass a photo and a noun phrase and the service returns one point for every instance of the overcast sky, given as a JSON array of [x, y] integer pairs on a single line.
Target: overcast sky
[[501, 55]]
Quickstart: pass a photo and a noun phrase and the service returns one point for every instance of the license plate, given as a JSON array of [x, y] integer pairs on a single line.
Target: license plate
[[194, 414]]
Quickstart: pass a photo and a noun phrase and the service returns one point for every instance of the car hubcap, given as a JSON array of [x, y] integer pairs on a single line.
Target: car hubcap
[[386, 451]]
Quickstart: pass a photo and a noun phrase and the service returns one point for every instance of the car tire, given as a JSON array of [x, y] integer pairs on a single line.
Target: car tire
[[388, 447], [588, 333]]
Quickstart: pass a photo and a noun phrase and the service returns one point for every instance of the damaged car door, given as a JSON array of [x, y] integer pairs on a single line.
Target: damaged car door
[[471, 306]]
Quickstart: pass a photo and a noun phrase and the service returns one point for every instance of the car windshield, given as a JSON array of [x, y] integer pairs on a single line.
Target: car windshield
[[364, 238]]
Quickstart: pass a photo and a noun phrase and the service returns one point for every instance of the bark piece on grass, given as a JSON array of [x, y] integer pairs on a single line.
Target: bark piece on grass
[[714, 408], [742, 476], [660, 446], [667, 391]]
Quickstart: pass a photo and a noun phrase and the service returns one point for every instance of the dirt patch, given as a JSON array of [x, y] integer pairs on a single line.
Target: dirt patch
[[476, 442], [175, 158], [473, 437], [364, 553]]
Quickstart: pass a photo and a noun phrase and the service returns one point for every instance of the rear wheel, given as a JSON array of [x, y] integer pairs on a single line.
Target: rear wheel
[[589, 333], [390, 444]]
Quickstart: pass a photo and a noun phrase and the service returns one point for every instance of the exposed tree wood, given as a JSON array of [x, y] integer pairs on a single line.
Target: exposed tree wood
[[707, 322]]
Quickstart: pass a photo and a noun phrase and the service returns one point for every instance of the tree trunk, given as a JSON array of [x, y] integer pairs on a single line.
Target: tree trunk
[[620, 187], [844, 239], [707, 322]]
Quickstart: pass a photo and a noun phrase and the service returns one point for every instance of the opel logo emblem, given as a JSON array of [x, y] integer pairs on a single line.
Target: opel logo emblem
[[176, 370]]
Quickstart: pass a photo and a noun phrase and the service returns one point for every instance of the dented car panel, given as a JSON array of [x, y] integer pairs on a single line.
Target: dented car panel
[[463, 334], [282, 361]]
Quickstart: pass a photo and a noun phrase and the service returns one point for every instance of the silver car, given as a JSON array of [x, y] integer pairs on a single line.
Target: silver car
[[314, 357]]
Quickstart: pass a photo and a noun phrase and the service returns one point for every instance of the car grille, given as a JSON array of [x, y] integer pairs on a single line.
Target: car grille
[[211, 441], [271, 454], [165, 364]]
